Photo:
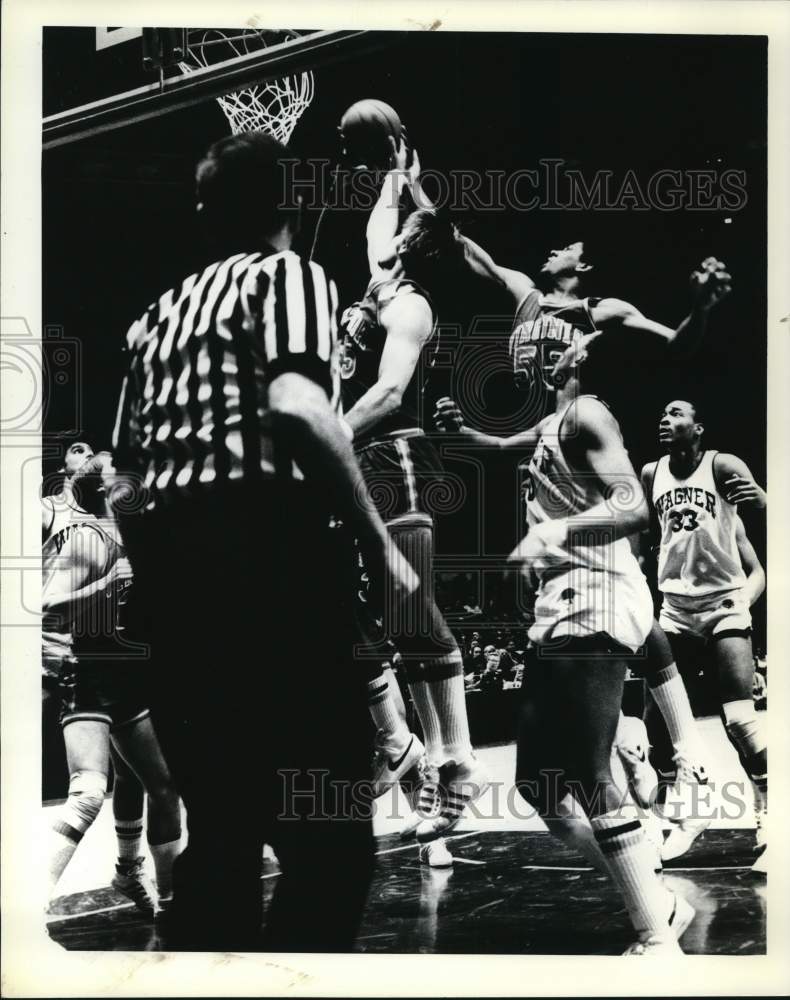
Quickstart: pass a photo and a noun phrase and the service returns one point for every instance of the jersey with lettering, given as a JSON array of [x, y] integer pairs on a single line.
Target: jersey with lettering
[[544, 329], [77, 552], [362, 347], [554, 490], [699, 552]]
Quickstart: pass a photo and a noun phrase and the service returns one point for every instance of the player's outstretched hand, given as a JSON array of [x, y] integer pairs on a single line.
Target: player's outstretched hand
[[414, 167], [742, 490], [711, 283], [399, 153], [447, 417]]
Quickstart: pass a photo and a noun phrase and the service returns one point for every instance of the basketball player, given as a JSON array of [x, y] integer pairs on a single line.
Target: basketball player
[[543, 326], [592, 613], [542, 364], [103, 697], [694, 494], [227, 417], [390, 341]]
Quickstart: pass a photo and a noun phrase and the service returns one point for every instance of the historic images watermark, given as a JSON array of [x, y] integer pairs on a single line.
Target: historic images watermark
[[548, 185]]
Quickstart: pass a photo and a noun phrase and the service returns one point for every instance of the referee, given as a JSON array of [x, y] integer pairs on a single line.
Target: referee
[[228, 429]]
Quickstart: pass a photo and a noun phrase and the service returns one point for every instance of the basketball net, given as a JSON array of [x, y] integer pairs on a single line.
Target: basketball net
[[273, 107]]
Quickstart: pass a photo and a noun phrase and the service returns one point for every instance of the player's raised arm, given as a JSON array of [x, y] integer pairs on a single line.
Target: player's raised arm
[[408, 323], [710, 285], [449, 420], [384, 220], [736, 483], [515, 283], [755, 574]]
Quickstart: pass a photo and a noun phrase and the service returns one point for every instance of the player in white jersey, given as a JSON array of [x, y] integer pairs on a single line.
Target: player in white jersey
[[593, 608], [544, 325], [102, 694], [694, 495], [593, 611]]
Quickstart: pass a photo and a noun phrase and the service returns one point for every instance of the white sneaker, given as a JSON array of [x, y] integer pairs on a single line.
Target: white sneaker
[[435, 854], [681, 837], [655, 945], [660, 944], [463, 784], [682, 915], [760, 834], [632, 746], [681, 805], [420, 785], [654, 835], [389, 766]]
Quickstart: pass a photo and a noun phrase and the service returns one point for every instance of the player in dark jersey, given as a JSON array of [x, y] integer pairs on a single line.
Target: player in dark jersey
[[103, 698], [390, 339], [550, 321]]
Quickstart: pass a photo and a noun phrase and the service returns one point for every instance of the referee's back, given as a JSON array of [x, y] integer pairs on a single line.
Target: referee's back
[[231, 375], [193, 415]]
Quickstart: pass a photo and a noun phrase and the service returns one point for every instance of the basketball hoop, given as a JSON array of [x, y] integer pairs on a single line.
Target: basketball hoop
[[273, 107]]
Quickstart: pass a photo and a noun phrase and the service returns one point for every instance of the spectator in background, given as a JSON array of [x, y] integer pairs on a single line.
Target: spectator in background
[[474, 662], [491, 680], [508, 661]]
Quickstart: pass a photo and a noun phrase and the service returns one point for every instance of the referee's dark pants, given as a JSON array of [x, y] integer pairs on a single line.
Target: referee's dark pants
[[248, 605]]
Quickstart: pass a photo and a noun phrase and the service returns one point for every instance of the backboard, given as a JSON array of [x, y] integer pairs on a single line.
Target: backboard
[[94, 79]]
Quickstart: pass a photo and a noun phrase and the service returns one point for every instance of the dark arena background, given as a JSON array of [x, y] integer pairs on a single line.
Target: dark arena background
[[119, 227]]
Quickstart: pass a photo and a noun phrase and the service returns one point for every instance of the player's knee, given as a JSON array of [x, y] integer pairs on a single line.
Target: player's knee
[[743, 727], [162, 795], [535, 793], [85, 799]]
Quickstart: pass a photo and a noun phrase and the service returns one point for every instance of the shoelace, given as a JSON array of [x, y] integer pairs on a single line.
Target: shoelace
[[684, 767]]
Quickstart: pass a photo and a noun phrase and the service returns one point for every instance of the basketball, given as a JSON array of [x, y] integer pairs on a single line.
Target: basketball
[[365, 129]]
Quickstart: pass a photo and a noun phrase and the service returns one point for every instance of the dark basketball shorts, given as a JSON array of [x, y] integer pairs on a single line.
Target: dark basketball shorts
[[403, 473], [599, 645], [111, 691]]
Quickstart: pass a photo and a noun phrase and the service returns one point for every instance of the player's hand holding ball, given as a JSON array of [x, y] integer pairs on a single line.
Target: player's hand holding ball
[[447, 416], [711, 283]]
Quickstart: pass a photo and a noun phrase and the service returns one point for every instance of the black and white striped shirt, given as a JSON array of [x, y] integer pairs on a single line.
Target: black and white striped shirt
[[193, 408]]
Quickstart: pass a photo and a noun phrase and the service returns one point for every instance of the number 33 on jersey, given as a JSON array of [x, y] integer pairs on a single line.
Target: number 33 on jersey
[[699, 551]]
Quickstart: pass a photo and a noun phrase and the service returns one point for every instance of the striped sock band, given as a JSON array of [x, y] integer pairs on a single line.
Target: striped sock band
[[631, 863], [129, 833]]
